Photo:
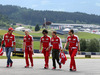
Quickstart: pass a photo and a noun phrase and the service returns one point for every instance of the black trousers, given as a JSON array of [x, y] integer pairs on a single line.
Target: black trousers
[[55, 56]]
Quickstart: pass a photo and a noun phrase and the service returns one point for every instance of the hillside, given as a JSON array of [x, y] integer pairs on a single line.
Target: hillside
[[33, 17], [4, 21]]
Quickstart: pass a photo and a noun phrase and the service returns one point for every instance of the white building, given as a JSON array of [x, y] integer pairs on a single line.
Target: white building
[[22, 29]]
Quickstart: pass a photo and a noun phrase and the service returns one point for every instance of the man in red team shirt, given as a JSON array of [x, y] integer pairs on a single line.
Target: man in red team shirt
[[57, 46], [28, 46], [9, 40], [45, 42], [74, 44]]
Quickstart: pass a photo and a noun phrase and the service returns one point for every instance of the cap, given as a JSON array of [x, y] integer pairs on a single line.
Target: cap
[[10, 28]]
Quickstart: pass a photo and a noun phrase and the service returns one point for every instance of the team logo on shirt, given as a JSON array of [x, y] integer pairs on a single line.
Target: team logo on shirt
[[69, 38], [11, 37], [42, 38], [74, 39], [52, 40], [6, 36], [46, 38], [56, 39], [28, 38]]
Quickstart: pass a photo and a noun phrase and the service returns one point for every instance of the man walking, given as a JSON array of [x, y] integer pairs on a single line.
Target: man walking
[[9, 40], [28, 47], [45, 43], [74, 44], [57, 46]]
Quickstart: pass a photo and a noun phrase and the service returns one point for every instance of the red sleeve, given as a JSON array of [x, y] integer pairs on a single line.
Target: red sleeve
[[41, 39], [2, 42], [14, 42], [67, 39], [31, 38]]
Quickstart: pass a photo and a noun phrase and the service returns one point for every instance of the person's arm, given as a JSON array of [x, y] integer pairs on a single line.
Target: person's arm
[[65, 46], [78, 45], [14, 43], [49, 45], [32, 47], [61, 44], [79, 48]]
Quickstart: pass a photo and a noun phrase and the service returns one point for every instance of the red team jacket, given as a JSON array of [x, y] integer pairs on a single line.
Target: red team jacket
[[9, 40], [73, 41], [28, 40], [63, 58], [56, 43]]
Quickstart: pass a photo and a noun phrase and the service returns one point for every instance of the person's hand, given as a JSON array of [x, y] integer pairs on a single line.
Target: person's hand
[[1, 47], [79, 52], [47, 49], [64, 49], [14, 49], [23, 50], [32, 52], [40, 51]]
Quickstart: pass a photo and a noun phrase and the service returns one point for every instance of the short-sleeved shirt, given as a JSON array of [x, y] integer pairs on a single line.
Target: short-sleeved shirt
[[9, 40], [56, 43], [46, 41]]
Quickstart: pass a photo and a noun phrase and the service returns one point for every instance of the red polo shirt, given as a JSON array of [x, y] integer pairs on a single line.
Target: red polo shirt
[[9, 40], [56, 43]]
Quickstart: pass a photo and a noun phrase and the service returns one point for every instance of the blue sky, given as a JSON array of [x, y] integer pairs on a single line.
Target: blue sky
[[86, 6]]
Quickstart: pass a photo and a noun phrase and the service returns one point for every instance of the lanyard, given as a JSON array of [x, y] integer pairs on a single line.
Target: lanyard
[[8, 38]]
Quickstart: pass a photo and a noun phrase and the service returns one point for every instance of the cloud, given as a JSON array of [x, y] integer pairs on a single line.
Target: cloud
[[45, 2], [98, 4], [34, 6]]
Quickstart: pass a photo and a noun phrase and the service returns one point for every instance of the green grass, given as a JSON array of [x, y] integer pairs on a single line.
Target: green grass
[[87, 35], [37, 45]]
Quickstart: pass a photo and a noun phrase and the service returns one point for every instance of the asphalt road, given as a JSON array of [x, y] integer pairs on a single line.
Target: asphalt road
[[84, 67]]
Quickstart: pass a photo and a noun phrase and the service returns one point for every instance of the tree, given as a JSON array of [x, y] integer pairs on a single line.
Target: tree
[[93, 46], [37, 28], [83, 44]]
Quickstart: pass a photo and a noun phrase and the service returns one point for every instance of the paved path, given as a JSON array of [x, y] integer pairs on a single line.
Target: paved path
[[84, 67]]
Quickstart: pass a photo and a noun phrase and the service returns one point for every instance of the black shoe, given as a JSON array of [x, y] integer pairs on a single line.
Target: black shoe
[[45, 68], [26, 66], [71, 70]]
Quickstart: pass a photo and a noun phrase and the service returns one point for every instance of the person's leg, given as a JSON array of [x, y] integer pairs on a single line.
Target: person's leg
[[44, 57], [47, 58], [53, 58], [57, 57], [26, 57], [9, 54], [31, 59], [70, 53], [72, 58]]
